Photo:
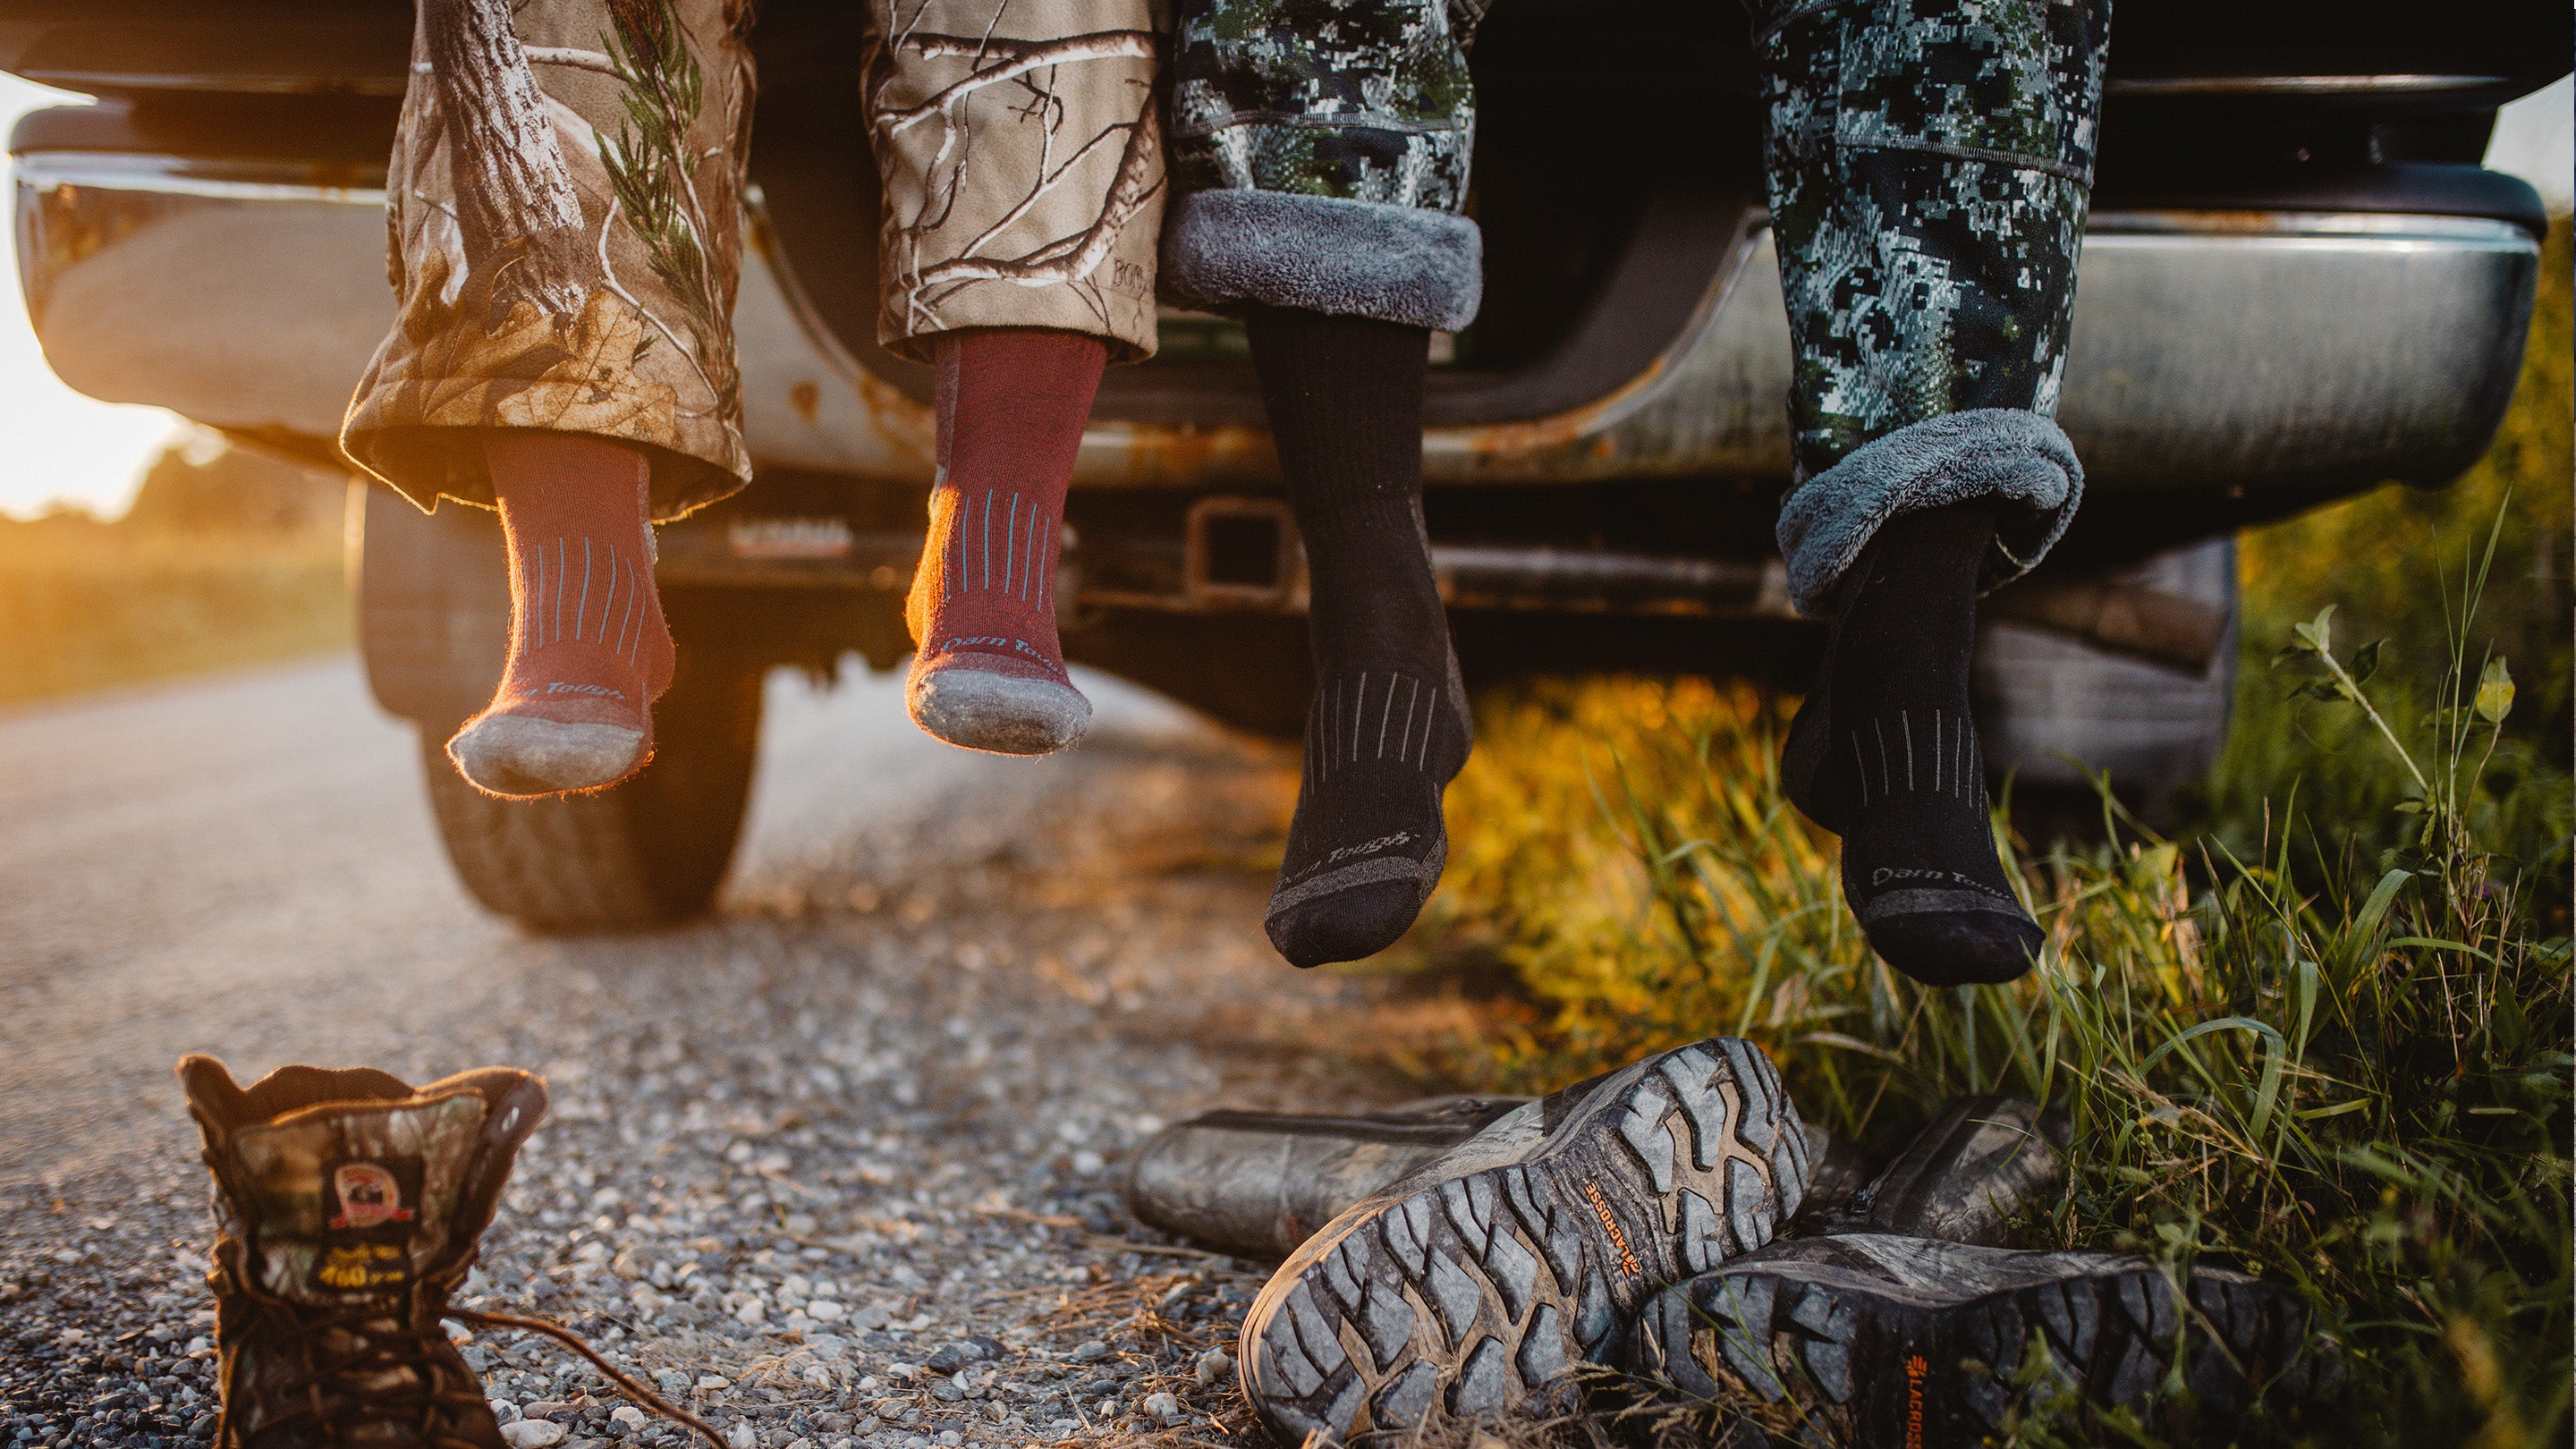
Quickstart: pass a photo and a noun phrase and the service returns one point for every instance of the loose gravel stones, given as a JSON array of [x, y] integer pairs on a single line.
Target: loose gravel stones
[[835, 1169]]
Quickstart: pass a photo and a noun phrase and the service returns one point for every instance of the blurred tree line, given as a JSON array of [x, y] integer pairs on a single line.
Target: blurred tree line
[[202, 484]]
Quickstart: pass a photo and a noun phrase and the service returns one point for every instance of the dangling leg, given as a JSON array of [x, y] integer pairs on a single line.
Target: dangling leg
[[1022, 207], [990, 674], [1388, 729], [588, 650], [1323, 185], [1929, 165], [553, 362], [1885, 753]]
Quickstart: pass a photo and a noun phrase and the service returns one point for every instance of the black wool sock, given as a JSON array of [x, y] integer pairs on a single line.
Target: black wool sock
[[1388, 727], [1885, 754]]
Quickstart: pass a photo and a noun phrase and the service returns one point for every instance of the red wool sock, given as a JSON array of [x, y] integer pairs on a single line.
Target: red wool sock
[[588, 650], [989, 674]]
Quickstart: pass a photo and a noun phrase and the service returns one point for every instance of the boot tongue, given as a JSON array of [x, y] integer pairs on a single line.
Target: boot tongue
[[360, 1200]]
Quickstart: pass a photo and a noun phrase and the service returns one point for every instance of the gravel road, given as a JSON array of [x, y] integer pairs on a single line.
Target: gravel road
[[835, 1167]]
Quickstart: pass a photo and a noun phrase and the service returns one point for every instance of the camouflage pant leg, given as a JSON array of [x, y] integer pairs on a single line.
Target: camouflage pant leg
[[1320, 151], [1929, 165], [1020, 147], [565, 207]]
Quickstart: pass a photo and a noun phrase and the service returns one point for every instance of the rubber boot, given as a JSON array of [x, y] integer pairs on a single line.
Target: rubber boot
[[1981, 1163], [1260, 1183]]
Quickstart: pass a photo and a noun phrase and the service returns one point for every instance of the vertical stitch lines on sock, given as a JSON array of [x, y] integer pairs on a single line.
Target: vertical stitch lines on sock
[[1949, 749], [608, 600], [632, 643], [547, 573], [532, 606], [1028, 567], [1369, 716], [581, 609]]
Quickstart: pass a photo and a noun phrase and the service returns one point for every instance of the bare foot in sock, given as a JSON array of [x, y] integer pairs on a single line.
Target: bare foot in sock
[[1388, 728], [1884, 753], [588, 649], [989, 674]]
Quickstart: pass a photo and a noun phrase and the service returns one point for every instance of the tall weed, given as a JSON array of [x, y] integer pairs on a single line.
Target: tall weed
[[2394, 566]]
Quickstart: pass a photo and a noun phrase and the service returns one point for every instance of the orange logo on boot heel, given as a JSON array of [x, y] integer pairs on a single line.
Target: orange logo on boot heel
[[1618, 1239], [1915, 1368]]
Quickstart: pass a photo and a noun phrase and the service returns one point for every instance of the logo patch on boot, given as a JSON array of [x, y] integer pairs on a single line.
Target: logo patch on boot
[[370, 1209], [364, 1195]]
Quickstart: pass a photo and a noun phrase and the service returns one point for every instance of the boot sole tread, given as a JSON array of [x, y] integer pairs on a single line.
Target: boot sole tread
[[1477, 1296], [1862, 1364]]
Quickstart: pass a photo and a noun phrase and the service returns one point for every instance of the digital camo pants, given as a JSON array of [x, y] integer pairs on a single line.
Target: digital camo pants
[[1929, 164], [565, 210], [1320, 152]]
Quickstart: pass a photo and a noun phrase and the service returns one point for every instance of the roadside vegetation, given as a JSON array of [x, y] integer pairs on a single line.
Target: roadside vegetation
[[225, 559], [2320, 1028]]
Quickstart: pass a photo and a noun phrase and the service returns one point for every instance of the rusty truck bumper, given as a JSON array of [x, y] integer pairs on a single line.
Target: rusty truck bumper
[[2241, 349]]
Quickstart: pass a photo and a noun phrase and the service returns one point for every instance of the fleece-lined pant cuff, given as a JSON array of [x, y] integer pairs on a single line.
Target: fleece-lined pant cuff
[[1324, 254], [2018, 458]]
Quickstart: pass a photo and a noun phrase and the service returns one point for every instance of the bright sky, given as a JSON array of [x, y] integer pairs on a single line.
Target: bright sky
[[56, 445]]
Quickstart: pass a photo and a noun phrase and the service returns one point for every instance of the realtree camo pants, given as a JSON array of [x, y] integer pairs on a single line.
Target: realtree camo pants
[[1929, 164], [565, 206]]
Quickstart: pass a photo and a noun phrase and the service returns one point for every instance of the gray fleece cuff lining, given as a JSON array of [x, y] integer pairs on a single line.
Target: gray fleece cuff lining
[[1323, 254], [2001, 453]]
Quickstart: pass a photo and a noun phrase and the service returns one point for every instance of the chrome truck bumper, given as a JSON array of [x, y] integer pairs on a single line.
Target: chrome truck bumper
[[2237, 349]]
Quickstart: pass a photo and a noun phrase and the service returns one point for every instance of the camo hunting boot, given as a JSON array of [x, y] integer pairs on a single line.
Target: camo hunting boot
[[1981, 1163], [1471, 1288], [348, 1208], [1867, 1339]]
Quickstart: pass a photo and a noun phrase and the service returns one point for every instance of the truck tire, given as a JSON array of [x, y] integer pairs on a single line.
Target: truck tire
[[2053, 705], [638, 855]]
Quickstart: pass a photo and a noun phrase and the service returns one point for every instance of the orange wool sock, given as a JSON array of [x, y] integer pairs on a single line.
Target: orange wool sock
[[989, 674], [589, 652]]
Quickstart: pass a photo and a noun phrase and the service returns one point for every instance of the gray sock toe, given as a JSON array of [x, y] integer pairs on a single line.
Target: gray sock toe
[[1000, 713], [518, 755]]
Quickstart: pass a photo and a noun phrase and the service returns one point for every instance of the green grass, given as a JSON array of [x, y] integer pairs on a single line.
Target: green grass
[[87, 605], [225, 559], [2323, 1033]]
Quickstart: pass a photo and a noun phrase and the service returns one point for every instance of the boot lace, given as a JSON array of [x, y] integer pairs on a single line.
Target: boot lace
[[634, 1388], [337, 1386]]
